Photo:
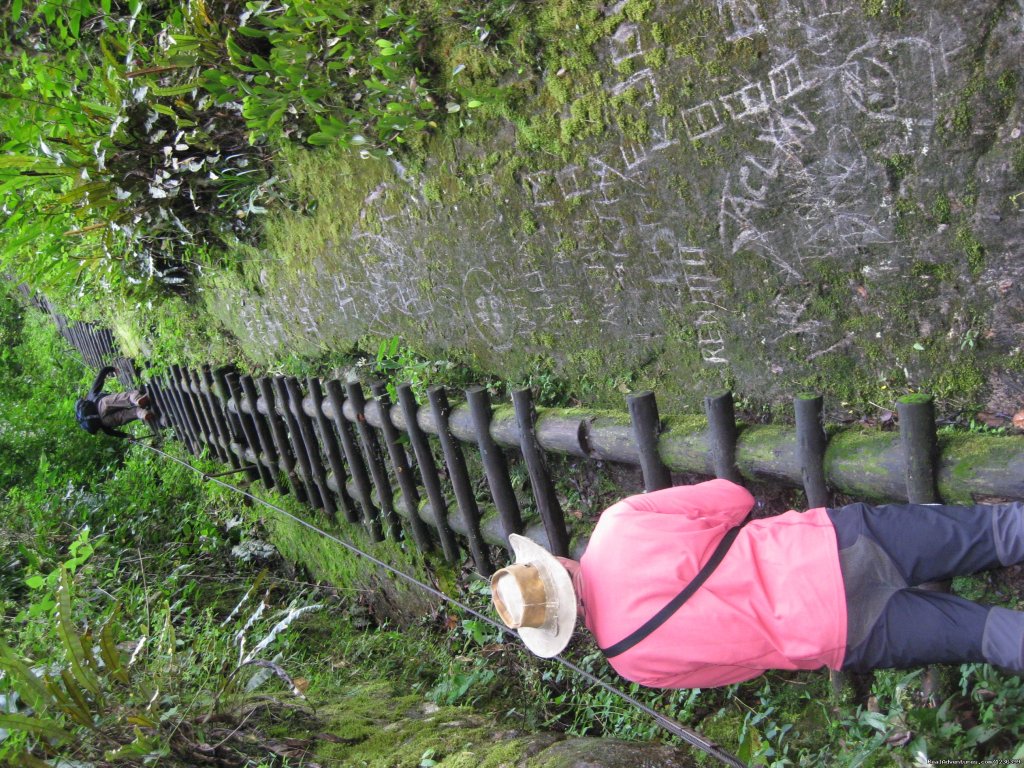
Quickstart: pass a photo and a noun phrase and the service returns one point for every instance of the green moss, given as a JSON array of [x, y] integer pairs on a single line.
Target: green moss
[[637, 10], [873, 8], [560, 88], [634, 127], [959, 379], [916, 398], [432, 191], [941, 209], [967, 459], [1017, 160], [586, 119], [897, 168], [626, 67], [379, 727], [906, 215], [942, 271], [527, 223], [972, 249], [763, 444], [655, 59], [1006, 87]]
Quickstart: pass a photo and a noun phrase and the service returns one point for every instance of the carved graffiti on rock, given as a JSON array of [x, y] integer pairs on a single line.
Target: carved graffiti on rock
[[489, 309], [740, 18]]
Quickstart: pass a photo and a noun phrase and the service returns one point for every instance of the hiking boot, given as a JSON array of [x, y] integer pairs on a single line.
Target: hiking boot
[[149, 417], [143, 401]]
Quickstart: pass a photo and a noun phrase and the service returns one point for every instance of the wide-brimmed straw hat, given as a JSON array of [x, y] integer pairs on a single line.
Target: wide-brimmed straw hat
[[535, 596]]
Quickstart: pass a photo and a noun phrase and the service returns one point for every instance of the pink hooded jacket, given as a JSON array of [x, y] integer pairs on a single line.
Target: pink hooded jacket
[[775, 602]]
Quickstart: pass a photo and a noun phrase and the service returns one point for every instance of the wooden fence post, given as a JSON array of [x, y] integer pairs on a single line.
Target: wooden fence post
[[356, 467], [248, 426], [540, 479], [279, 433], [459, 477], [723, 433], [251, 398], [920, 447], [307, 437], [302, 463], [331, 448], [402, 469], [495, 465], [428, 472], [374, 459], [643, 414]]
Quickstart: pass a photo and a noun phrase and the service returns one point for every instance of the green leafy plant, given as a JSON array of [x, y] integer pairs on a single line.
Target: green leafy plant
[[105, 184], [324, 73], [397, 363]]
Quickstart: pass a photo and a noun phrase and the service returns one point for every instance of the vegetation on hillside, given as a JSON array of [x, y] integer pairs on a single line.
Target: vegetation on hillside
[[142, 144], [138, 139], [134, 602]]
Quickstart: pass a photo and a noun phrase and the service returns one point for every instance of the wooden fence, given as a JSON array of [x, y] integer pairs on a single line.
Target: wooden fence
[[371, 461]]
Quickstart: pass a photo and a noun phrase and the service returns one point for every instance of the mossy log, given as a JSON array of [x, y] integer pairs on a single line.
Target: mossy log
[[865, 464]]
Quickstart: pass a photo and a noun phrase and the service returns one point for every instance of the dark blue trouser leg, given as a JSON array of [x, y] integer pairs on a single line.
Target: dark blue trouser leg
[[933, 542], [919, 627], [886, 550]]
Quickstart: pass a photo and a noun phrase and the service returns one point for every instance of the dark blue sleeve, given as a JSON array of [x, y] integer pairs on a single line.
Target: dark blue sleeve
[[101, 377]]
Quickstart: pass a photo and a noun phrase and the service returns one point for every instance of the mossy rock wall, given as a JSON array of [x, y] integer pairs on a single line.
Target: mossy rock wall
[[771, 195]]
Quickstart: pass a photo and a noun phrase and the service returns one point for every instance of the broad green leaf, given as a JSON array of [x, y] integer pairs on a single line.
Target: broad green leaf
[[72, 639], [49, 729], [28, 684], [250, 32], [76, 17], [142, 746], [276, 115], [172, 90], [102, 109], [108, 648], [79, 709]]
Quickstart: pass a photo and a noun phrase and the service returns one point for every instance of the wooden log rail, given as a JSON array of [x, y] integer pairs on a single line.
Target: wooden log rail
[[865, 463]]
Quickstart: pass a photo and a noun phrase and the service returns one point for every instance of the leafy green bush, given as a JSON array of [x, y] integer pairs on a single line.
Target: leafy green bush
[[326, 73], [103, 183]]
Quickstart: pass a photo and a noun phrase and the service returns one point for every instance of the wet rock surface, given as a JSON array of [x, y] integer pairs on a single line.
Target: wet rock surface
[[765, 195], [609, 753], [381, 727]]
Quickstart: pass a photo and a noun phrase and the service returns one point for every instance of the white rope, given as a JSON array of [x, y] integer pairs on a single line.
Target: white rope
[[688, 735]]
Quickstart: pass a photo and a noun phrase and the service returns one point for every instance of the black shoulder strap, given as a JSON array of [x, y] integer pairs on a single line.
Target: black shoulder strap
[[662, 616]]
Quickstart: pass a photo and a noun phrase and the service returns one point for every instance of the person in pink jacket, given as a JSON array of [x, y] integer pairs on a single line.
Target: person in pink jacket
[[829, 588]]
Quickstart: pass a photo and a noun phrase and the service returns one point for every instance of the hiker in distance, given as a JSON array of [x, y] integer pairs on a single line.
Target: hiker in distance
[[105, 411], [824, 588]]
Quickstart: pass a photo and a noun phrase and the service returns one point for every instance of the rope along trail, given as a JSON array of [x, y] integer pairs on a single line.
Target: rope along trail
[[690, 736]]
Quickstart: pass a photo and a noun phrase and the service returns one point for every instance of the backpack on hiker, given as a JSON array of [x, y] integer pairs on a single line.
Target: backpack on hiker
[[88, 415]]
